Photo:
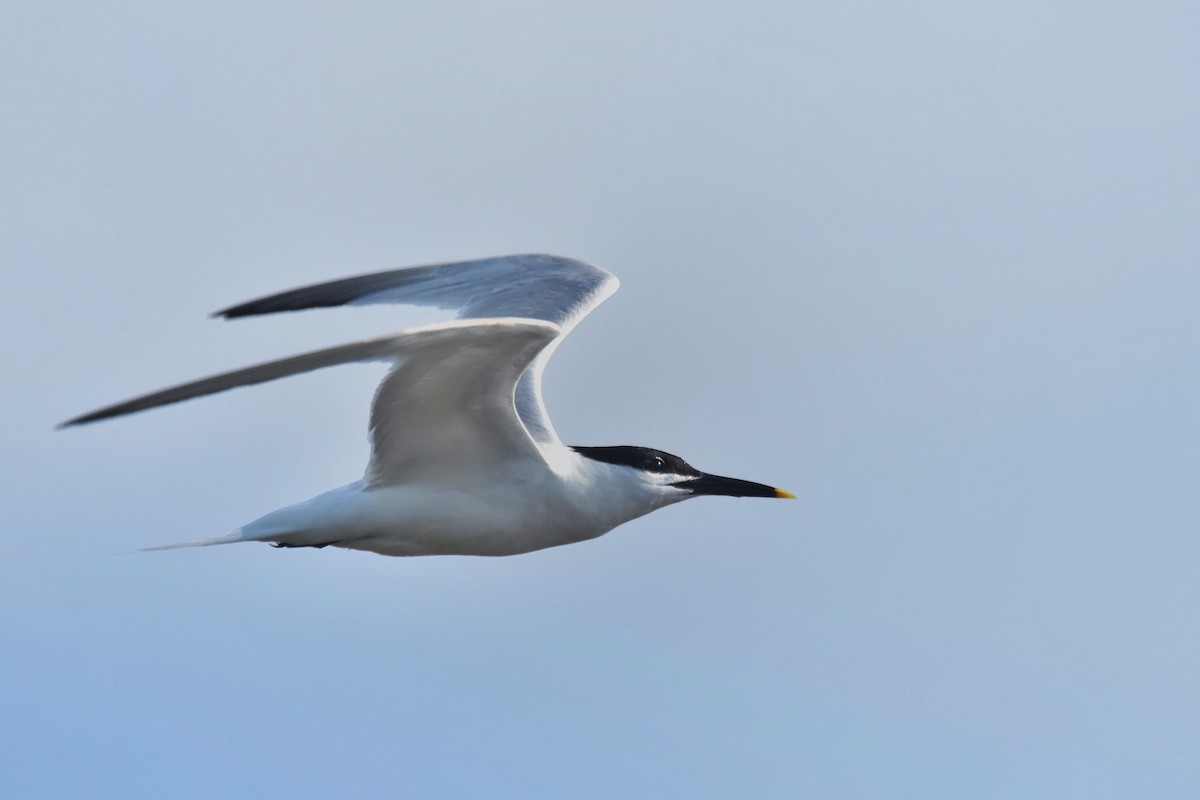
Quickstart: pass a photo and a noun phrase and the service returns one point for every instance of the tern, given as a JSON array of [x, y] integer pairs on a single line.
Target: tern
[[464, 460]]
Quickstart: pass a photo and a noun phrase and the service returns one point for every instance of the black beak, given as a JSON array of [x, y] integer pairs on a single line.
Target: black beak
[[731, 487]]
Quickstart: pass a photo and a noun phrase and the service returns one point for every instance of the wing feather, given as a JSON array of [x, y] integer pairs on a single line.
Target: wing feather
[[446, 403], [535, 286], [551, 288]]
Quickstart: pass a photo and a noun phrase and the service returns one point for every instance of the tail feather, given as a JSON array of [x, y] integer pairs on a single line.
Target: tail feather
[[225, 538]]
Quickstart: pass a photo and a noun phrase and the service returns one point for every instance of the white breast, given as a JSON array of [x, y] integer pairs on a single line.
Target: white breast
[[528, 507]]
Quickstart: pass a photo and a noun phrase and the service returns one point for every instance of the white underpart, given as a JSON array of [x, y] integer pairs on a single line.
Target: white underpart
[[464, 459], [520, 508]]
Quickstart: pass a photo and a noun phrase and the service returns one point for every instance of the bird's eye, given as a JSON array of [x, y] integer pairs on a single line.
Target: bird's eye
[[658, 462]]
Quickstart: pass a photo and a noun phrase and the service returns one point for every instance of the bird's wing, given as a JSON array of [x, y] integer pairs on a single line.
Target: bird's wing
[[446, 406], [558, 290], [447, 409]]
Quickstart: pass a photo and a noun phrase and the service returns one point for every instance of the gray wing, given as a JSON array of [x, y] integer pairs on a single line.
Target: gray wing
[[366, 350], [445, 408], [551, 288]]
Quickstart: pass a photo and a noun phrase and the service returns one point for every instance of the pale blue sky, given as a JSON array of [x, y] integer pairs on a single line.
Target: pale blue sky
[[932, 266]]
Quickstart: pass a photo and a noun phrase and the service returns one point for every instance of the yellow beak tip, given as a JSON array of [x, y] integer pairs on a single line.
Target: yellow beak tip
[[780, 493]]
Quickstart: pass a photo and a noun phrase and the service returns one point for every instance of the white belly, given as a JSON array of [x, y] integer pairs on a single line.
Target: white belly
[[418, 521]]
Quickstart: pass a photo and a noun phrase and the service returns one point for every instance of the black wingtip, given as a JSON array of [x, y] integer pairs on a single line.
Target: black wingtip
[[248, 309], [93, 416], [294, 300]]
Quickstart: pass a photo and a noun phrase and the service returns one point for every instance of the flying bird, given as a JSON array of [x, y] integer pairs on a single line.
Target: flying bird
[[464, 459]]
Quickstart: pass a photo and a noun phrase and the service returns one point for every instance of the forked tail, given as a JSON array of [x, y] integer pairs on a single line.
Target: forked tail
[[225, 538]]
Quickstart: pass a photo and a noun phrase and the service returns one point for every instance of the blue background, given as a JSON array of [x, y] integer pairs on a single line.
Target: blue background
[[930, 266]]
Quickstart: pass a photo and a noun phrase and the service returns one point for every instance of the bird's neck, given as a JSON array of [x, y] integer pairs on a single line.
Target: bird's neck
[[614, 493]]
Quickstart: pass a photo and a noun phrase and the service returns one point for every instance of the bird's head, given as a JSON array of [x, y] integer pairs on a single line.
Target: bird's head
[[675, 478]]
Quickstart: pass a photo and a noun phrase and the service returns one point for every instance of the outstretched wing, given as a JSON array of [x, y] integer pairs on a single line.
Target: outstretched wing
[[447, 405], [558, 290]]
